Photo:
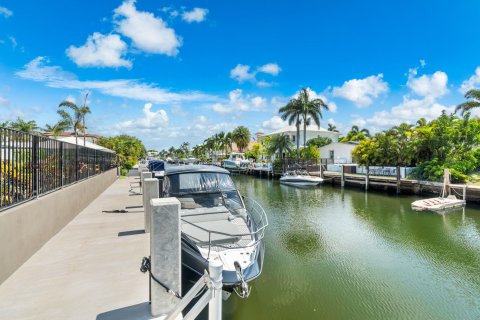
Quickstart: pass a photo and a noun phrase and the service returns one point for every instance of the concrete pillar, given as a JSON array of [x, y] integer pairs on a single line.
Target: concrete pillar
[[150, 191], [165, 253], [144, 175], [342, 183], [215, 268]]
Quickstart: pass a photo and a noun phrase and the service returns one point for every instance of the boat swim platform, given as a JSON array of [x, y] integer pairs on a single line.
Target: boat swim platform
[[90, 269]]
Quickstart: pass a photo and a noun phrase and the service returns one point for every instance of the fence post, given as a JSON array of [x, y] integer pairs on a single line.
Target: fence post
[[150, 191], [215, 268], [35, 164], [165, 253], [62, 165]]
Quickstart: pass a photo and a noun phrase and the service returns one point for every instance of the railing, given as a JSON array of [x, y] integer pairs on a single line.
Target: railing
[[33, 165], [255, 215]]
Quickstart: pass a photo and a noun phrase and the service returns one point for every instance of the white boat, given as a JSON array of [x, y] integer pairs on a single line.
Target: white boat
[[236, 161], [300, 178]]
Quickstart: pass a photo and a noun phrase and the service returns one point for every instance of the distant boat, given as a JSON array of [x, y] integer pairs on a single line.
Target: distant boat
[[236, 161], [299, 178]]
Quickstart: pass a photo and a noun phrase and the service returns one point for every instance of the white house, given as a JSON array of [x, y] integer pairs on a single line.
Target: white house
[[339, 152], [313, 131]]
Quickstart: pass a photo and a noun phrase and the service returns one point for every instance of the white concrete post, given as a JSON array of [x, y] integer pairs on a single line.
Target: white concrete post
[[215, 268], [150, 191], [342, 183], [144, 175], [165, 254]]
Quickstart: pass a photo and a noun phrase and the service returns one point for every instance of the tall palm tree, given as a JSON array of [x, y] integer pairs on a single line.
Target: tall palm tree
[[472, 94], [76, 120], [310, 109], [332, 127], [241, 137], [292, 112]]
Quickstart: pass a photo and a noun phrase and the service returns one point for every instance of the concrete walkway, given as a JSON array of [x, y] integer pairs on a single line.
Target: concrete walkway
[[89, 270]]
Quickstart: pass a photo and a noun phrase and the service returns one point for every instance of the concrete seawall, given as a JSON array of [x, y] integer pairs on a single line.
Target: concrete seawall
[[26, 228]]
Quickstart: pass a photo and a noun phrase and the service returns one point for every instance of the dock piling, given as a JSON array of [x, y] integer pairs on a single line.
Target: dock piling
[[150, 191]]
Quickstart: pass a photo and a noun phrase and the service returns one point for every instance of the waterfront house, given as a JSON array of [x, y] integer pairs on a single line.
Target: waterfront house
[[338, 152], [313, 131]]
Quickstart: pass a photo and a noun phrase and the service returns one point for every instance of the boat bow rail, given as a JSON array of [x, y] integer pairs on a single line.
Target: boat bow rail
[[255, 219]]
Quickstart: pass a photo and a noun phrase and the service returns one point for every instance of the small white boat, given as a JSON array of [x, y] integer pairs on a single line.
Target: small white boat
[[236, 161], [300, 178]]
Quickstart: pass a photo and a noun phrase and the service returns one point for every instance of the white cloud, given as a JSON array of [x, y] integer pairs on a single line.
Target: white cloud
[[5, 12], [270, 68], [362, 91], [241, 73], [100, 51], [409, 110], [434, 85], [13, 41], [274, 123], [147, 32], [4, 101], [472, 82], [259, 101], [152, 120], [54, 77], [71, 99], [196, 15], [220, 108]]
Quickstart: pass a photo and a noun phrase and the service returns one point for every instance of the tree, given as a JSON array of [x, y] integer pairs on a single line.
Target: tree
[[24, 126], [57, 128], [281, 144], [332, 127], [292, 112], [311, 152], [128, 149], [73, 120], [311, 109], [355, 134], [241, 137], [472, 94], [319, 142], [255, 151]]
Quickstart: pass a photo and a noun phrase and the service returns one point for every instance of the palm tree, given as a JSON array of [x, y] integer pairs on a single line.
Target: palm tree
[[311, 110], [292, 112], [280, 143], [241, 137], [472, 94], [332, 127], [57, 128], [229, 141], [24, 126], [77, 119]]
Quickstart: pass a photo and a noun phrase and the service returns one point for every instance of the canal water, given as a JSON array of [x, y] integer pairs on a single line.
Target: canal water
[[347, 254]]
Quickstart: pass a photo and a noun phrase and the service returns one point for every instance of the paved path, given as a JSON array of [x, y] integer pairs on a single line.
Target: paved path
[[89, 270]]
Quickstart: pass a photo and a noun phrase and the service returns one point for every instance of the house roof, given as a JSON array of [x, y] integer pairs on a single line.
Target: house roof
[[87, 144], [292, 128]]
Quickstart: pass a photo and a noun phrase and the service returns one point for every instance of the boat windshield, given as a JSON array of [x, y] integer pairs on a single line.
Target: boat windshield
[[206, 189]]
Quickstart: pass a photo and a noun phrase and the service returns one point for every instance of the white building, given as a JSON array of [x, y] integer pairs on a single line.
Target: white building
[[313, 131], [338, 152]]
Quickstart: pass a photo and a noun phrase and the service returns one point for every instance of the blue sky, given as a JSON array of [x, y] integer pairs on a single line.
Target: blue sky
[[178, 71]]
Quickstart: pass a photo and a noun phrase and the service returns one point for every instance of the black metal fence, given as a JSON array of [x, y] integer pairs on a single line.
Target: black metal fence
[[33, 165]]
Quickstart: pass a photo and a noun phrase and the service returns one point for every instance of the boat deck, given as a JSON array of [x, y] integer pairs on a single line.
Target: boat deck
[[89, 270]]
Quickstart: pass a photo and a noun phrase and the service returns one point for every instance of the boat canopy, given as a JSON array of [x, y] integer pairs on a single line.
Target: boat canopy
[[156, 165], [183, 183]]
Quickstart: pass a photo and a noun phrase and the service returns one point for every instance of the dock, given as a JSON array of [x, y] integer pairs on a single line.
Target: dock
[[90, 269]]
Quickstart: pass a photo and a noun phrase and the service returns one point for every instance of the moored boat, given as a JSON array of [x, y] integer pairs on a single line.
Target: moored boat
[[299, 178]]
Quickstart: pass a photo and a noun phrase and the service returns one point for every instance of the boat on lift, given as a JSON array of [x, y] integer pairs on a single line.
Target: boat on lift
[[299, 177], [217, 223], [236, 161]]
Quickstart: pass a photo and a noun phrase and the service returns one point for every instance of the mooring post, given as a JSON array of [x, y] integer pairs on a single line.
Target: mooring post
[[150, 191], [165, 255], [367, 177], [465, 193], [144, 175], [342, 183], [215, 268]]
